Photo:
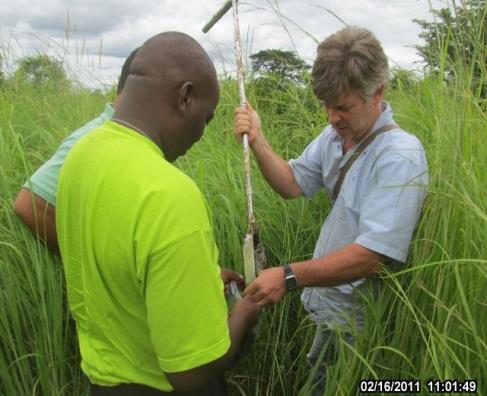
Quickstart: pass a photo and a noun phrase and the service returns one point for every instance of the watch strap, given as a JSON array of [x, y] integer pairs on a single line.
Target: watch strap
[[289, 278]]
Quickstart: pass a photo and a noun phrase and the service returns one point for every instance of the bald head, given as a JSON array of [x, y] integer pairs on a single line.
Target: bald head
[[174, 57], [171, 92]]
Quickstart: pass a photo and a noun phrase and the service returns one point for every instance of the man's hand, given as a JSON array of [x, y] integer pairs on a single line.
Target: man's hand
[[232, 276], [247, 121], [268, 287], [247, 311]]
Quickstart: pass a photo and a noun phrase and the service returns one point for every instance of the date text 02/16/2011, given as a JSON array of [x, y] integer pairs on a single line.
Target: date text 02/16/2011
[[414, 386]]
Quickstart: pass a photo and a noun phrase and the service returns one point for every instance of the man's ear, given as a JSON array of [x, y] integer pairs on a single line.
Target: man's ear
[[185, 97], [379, 93]]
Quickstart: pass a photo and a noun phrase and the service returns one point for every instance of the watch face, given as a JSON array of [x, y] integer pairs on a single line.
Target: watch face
[[291, 283]]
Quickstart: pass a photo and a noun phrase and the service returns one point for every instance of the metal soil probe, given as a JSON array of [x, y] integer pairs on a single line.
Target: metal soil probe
[[253, 253]]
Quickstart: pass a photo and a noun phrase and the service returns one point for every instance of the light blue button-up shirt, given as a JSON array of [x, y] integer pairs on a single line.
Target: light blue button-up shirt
[[44, 180], [378, 207]]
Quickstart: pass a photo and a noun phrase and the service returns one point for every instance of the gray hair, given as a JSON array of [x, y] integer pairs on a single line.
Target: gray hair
[[352, 58]]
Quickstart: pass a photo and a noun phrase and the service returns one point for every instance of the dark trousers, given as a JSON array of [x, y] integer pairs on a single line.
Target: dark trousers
[[217, 387]]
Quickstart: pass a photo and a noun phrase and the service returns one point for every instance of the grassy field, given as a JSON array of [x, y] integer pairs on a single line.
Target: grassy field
[[429, 321]]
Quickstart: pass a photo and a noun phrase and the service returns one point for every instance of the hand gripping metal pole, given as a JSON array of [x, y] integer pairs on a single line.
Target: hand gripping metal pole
[[250, 270], [253, 252]]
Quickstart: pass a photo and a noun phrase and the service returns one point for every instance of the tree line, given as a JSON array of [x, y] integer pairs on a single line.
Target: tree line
[[455, 40], [38, 70]]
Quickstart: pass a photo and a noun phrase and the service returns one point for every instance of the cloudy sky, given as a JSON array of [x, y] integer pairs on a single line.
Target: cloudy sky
[[93, 37]]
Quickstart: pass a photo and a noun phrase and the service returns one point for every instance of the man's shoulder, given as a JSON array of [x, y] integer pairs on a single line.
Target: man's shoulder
[[172, 202], [398, 146], [72, 138], [82, 145], [398, 139], [44, 180], [175, 185]]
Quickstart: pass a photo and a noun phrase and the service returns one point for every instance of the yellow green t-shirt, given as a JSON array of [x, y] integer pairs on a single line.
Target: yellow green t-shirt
[[140, 261]]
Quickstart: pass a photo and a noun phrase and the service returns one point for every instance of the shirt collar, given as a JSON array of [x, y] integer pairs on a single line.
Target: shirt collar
[[108, 112], [133, 134], [384, 118]]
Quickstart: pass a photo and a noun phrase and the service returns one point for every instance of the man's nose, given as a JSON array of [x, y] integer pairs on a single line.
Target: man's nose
[[333, 116]]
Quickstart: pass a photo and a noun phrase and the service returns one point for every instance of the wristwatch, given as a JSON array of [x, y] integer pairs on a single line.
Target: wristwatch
[[289, 278]]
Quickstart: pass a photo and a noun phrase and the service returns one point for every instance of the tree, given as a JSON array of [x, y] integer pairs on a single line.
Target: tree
[[284, 65], [278, 75], [41, 70], [457, 41], [402, 79]]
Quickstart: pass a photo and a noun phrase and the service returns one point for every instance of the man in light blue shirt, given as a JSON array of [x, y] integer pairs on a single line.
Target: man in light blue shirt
[[36, 201], [377, 199]]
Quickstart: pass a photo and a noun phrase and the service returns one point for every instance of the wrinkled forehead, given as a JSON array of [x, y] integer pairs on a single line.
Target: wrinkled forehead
[[349, 98]]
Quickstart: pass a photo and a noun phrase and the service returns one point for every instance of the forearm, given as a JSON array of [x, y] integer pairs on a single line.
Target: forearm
[[240, 328], [239, 325], [344, 265], [276, 171], [39, 216]]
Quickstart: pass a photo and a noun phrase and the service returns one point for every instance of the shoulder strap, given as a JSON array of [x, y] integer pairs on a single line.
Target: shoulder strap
[[369, 139]]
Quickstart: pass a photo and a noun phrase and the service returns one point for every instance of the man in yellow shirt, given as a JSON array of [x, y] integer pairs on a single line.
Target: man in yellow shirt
[[137, 244]]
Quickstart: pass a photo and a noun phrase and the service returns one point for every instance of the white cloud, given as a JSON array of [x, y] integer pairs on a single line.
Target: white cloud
[[94, 37]]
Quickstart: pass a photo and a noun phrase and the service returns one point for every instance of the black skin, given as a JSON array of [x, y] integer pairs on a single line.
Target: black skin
[[39, 215]]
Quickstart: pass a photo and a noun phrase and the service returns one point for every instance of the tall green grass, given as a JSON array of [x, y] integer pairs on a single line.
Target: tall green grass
[[427, 321], [38, 354]]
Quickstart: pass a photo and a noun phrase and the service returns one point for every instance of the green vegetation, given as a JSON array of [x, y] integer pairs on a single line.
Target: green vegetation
[[282, 65], [457, 38], [427, 322], [40, 70]]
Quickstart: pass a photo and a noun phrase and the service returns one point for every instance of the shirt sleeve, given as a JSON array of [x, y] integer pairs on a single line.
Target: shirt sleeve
[[308, 167], [186, 309], [187, 314], [393, 202], [44, 181]]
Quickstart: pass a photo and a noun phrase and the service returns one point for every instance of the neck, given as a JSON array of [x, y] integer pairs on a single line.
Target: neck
[[374, 116], [347, 145], [144, 107], [139, 127]]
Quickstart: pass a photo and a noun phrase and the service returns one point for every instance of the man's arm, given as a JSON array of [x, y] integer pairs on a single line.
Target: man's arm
[[243, 319], [388, 217], [276, 171], [191, 332], [344, 265], [39, 216]]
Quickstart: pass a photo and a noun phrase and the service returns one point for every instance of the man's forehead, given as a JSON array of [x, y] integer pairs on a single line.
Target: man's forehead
[[350, 97]]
